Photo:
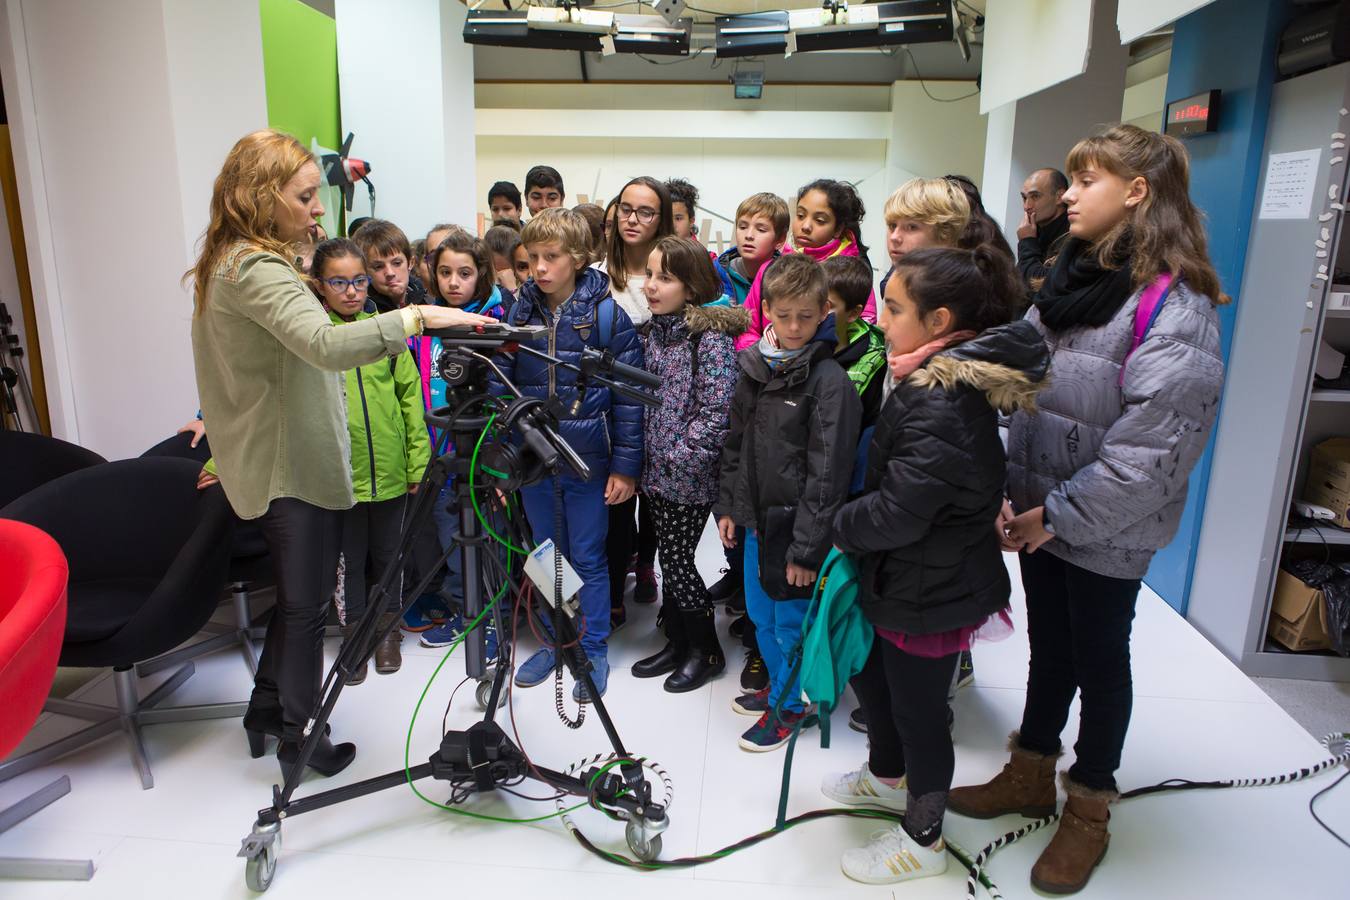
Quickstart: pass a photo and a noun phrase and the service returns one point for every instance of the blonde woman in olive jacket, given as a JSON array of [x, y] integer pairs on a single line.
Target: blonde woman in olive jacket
[[267, 359]]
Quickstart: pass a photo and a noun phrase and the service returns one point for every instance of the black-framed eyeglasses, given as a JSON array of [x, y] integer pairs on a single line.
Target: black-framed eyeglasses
[[644, 214], [360, 282]]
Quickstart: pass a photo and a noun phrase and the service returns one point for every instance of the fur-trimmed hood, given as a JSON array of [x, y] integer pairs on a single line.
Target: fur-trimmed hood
[[729, 320], [707, 319], [1009, 364]]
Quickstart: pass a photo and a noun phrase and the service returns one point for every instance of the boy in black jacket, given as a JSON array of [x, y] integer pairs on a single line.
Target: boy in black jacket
[[785, 471]]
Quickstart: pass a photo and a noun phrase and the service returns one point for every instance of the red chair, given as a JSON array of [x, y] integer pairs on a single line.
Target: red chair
[[32, 625]]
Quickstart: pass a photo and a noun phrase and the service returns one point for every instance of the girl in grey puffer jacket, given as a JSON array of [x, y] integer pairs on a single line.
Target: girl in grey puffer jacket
[[1097, 478]]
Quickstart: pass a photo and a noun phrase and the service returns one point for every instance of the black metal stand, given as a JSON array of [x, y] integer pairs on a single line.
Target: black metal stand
[[12, 375], [482, 757]]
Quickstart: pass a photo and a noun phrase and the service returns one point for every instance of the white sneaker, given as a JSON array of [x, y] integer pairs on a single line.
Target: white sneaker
[[892, 856], [862, 788]]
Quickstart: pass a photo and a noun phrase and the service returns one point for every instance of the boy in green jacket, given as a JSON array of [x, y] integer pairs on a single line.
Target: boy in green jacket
[[389, 448]]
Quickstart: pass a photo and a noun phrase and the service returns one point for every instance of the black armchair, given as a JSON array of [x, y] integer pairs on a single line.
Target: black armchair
[[149, 555]]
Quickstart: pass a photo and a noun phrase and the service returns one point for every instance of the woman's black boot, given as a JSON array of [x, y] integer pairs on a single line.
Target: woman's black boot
[[327, 759]]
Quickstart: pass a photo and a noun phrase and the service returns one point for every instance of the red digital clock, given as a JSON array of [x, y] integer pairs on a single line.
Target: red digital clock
[[1193, 115]]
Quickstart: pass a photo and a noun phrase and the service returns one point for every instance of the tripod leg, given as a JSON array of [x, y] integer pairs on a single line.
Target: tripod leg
[[362, 645]]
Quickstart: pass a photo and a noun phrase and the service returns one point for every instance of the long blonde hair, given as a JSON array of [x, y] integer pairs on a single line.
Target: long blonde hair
[[1166, 229], [244, 202]]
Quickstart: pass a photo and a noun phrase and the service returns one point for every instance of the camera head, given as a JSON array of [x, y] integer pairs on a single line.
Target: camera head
[[465, 364]]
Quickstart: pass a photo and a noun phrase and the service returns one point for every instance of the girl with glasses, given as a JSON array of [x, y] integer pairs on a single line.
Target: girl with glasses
[[641, 217], [389, 448]]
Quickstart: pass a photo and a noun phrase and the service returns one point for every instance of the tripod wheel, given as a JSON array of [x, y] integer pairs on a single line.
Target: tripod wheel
[[258, 870], [644, 848], [483, 693]]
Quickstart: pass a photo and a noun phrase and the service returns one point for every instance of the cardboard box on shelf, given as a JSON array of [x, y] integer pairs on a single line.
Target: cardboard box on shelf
[[1298, 615], [1329, 478]]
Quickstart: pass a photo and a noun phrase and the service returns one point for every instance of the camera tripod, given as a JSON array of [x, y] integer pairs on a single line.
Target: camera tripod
[[12, 375], [482, 757]]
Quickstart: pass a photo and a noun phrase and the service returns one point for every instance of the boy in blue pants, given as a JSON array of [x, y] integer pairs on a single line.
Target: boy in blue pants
[[574, 302], [786, 467]]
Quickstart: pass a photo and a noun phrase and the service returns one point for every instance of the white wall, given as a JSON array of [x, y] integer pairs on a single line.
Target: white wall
[[1138, 17], [1030, 45], [406, 82], [119, 112], [931, 138], [213, 102], [1047, 124], [874, 136]]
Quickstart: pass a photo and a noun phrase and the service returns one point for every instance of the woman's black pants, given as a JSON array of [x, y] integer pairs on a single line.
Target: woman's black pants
[[304, 541]]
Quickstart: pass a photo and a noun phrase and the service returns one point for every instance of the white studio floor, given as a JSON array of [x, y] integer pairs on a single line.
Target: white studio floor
[[1195, 716]]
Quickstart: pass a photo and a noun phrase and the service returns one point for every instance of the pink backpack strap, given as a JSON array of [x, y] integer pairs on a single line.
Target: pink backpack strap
[[1150, 302]]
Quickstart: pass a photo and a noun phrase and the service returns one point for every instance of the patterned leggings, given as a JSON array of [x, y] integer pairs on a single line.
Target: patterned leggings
[[678, 529]]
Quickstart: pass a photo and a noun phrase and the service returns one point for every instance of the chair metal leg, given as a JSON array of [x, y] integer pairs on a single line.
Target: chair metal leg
[[33, 803], [58, 749], [131, 727], [76, 709], [131, 713], [46, 869], [223, 636], [243, 625], [126, 686], [184, 654], [50, 869], [195, 713], [129, 704]]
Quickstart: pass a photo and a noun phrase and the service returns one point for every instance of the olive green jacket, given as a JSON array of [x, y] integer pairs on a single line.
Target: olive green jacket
[[268, 360]]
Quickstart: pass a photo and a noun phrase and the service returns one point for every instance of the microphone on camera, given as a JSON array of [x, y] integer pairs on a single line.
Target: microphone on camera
[[607, 363]]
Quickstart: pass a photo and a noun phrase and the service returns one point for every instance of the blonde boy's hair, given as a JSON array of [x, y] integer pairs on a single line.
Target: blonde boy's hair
[[933, 201], [771, 206], [566, 227]]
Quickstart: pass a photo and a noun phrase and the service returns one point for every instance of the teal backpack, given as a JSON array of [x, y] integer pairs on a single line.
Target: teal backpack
[[836, 640]]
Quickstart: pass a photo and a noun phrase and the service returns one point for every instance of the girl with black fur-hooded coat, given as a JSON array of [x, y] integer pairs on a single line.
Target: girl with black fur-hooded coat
[[931, 571]]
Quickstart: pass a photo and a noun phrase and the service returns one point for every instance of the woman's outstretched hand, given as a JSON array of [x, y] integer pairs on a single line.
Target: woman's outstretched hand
[[449, 317]]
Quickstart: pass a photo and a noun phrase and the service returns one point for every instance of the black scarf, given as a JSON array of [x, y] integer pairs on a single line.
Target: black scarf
[[1079, 291]]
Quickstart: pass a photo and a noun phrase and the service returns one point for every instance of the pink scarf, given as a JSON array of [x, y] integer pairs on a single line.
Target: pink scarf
[[845, 246], [904, 364]]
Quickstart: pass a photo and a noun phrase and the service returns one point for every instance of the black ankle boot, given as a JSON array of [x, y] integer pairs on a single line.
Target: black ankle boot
[[259, 722], [327, 759], [661, 662], [677, 644], [728, 589], [704, 661]]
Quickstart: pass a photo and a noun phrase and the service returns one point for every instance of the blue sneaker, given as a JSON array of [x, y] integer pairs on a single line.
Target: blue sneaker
[[415, 621], [599, 675], [536, 669], [428, 612], [443, 635], [434, 607]]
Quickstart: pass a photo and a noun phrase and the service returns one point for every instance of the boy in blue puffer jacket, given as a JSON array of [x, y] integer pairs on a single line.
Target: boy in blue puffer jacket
[[574, 302]]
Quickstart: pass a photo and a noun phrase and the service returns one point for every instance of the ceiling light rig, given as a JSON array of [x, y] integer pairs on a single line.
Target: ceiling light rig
[[834, 25], [572, 26]]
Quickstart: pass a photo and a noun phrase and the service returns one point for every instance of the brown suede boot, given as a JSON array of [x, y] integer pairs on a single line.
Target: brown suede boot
[[360, 674], [388, 656], [1026, 785], [1080, 843]]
